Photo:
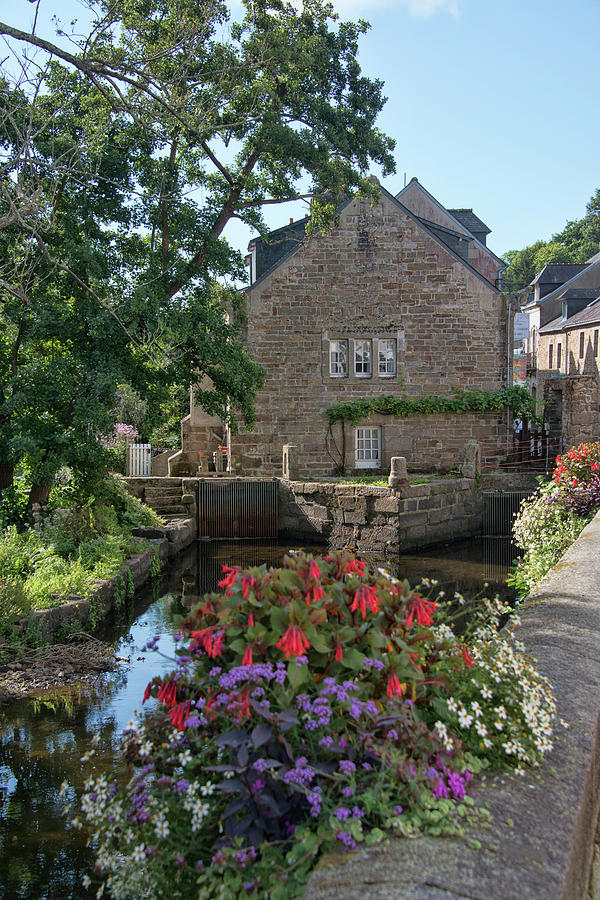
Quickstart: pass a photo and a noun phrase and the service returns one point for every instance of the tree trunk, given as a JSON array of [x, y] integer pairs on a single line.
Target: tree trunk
[[39, 493], [6, 475]]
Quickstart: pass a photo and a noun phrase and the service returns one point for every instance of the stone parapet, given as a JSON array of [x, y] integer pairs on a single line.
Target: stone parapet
[[372, 518], [541, 841]]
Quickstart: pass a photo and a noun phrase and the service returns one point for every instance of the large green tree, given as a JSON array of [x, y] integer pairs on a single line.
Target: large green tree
[[576, 243], [122, 162]]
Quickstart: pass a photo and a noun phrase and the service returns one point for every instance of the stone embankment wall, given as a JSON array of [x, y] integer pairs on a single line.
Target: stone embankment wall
[[542, 842], [164, 543], [371, 518]]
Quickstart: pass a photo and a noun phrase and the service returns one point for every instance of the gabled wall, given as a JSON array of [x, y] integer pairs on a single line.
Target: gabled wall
[[379, 274]]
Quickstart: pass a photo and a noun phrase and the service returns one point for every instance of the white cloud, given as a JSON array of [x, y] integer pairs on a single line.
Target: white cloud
[[418, 8]]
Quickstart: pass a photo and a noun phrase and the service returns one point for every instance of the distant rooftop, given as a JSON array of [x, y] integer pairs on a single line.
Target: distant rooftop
[[471, 222]]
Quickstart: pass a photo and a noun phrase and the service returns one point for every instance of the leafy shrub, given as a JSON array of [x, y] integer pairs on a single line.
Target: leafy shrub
[[317, 705], [80, 539]]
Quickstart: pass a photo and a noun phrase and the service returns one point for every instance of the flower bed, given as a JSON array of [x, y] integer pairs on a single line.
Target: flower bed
[[550, 521], [314, 706]]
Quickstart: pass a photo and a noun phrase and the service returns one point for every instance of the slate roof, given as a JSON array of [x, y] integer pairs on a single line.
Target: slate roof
[[287, 246], [588, 316], [471, 222], [455, 240], [558, 273]]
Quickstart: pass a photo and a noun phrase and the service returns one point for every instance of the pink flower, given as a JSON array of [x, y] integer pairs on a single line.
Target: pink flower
[[247, 659]]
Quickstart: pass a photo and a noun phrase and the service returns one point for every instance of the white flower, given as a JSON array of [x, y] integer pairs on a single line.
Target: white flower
[[477, 711], [207, 789], [464, 719], [139, 853], [500, 712], [63, 788], [486, 692], [452, 704], [86, 881], [564, 724], [76, 823], [520, 771], [146, 748], [185, 758], [481, 729], [487, 743], [161, 828], [499, 724]]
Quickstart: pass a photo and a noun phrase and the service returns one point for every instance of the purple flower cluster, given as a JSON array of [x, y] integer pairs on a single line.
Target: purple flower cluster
[[347, 766], [301, 774], [347, 840], [258, 672], [245, 856], [449, 784], [315, 799], [152, 644], [373, 664]]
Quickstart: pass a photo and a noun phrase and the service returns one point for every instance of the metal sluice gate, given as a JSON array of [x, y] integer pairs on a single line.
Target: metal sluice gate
[[500, 509], [237, 508]]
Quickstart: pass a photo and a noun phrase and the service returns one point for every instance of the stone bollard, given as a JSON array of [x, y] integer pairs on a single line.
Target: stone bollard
[[471, 465], [290, 462], [398, 480]]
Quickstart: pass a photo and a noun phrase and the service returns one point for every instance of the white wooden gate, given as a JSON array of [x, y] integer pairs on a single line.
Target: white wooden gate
[[139, 459]]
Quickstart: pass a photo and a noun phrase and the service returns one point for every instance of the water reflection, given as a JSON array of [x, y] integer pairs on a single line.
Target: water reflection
[[41, 743]]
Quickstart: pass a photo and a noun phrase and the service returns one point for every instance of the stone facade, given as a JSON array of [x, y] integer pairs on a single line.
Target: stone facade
[[379, 276]]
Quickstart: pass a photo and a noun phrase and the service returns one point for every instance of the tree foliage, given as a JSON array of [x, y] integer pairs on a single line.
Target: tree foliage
[[576, 243], [121, 163]]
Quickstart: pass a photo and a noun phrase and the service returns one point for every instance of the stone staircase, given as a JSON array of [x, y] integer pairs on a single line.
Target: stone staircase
[[165, 496]]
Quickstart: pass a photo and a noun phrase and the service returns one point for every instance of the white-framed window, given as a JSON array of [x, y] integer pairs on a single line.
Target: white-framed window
[[338, 358], [362, 359], [386, 366], [368, 448]]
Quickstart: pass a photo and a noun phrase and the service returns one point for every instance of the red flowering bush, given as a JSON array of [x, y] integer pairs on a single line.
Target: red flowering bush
[[311, 707], [577, 476]]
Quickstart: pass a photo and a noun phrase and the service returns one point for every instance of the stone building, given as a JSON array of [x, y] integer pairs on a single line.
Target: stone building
[[400, 298]]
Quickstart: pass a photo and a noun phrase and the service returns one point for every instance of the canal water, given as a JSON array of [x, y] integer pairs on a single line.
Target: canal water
[[41, 743]]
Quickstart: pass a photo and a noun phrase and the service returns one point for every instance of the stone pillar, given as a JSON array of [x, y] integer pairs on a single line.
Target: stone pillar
[[471, 465], [398, 480], [290, 462]]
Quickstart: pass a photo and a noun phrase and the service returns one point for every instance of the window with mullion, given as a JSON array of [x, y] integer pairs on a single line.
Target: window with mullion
[[338, 358], [368, 448], [362, 359], [386, 358]]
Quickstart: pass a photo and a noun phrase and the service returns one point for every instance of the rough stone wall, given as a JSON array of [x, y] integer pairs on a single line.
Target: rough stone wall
[[581, 419], [378, 275], [375, 519]]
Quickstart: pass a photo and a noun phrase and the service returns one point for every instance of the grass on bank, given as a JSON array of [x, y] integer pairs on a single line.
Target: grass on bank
[[77, 540], [382, 480]]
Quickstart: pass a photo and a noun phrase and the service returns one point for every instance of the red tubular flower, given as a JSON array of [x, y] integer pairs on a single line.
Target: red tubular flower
[[167, 693], [179, 715], [247, 659], [365, 596], [293, 642], [230, 577], [595, 467], [468, 659], [315, 571], [248, 581], [422, 609], [250, 620], [394, 687], [215, 644], [147, 692], [338, 653], [317, 594], [355, 565]]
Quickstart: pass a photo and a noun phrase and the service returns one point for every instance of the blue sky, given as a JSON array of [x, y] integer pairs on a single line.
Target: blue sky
[[493, 105]]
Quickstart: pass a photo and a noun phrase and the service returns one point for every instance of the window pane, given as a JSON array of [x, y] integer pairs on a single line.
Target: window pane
[[338, 358], [368, 448], [387, 357], [581, 345], [362, 357]]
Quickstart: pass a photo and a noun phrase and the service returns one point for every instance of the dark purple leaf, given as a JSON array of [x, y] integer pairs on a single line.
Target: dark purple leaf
[[261, 735]]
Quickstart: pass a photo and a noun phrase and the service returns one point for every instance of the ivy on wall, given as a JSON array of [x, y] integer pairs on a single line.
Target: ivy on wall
[[516, 398]]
